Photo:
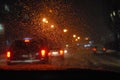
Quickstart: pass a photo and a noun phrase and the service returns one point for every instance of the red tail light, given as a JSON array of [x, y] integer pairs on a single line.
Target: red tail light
[[43, 53], [8, 54], [49, 54], [94, 49], [61, 52], [104, 49]]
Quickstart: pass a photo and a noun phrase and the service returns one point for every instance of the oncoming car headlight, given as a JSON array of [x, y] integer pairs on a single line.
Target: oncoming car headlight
[[65, 51]]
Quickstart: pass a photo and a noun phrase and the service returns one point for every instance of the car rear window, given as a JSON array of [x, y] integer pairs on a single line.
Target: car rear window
[[25, 45]]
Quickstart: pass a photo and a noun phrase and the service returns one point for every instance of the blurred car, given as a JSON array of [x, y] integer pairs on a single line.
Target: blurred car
[[27, 51], [99, 49], [57, 52]]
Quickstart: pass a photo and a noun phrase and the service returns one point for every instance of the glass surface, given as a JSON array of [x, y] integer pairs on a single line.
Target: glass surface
[[74, 26]]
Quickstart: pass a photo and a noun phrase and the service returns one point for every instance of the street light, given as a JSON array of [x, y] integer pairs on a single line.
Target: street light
[[65, 30], [52, 26], [44, 20], [78, 37], [50, 11], [74, 35], [86, 38]]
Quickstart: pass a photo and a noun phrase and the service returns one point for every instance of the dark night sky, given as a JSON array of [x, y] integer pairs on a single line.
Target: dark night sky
[[90, 14]]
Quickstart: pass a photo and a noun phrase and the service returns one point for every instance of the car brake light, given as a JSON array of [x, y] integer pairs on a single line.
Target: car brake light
[[61, 52], [94, 49], [43, 53], [104, 49], [8, 54], [49, 54]]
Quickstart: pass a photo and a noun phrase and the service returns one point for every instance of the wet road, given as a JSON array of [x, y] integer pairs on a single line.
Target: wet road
[[82, 59]]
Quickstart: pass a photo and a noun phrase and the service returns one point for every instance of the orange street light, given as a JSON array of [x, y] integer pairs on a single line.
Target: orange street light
[[44, 20], [65, 30], [74, 35], [86, 38], [78, 37], [52, 26], [50, 11]]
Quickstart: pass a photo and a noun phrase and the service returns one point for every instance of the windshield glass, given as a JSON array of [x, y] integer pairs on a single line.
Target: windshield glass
[[86, 34]]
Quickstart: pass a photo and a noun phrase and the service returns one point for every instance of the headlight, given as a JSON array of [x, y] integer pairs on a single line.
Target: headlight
[[65, 51]]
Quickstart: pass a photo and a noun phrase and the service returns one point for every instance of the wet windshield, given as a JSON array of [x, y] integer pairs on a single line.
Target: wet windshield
[[76, 28]]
